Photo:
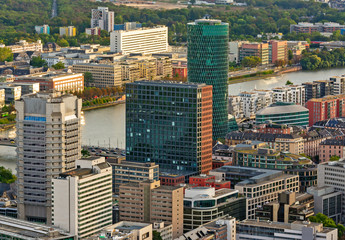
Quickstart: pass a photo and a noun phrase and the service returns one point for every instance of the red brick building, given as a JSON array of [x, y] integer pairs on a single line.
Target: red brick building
[[171, 179], [326, 108], [208, 181], [274, 129]]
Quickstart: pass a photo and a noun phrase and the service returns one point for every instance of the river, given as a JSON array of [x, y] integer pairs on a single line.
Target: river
[[106, 126]]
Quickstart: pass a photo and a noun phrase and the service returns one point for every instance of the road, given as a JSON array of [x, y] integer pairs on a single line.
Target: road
[[54, 9], [7, 142]]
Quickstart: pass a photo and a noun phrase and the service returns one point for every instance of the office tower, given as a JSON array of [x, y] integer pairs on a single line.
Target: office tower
[[208, 63], [101, 17], [82, 198], [148, 201], [143, 40], [170, 124], [48, 143], [332, 174], [278, 51], [261, 50]]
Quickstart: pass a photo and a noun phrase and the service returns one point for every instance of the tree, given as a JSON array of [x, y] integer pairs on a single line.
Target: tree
[[6, 54], [328, 222], [290, 54], [59, 65], [38, 62], [156, 235], [6, 176], [252, 61], [334, 158], [62, 42], [85, 153], [288, 82], [88, 78]]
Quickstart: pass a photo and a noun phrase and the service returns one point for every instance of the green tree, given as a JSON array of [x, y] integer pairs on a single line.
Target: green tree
[[88, 78], [290, 54], [156, 235], [59, 65], [38, 62], [252, 61], [6, 176], [334, 158], [62, 42], [6, 54], [288, 82], [85, 153], [328, 222]]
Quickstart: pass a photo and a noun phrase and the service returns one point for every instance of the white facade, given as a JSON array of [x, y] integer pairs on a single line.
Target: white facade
[[82, 198], [338, 84], [255, 101], [332, 174], [290, 94], [143, 40], [234, 51], [235, 106], [102, 18], [24, 46]]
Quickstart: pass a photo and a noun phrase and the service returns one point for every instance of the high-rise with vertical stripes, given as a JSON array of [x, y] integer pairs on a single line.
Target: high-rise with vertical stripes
[[208, 63]]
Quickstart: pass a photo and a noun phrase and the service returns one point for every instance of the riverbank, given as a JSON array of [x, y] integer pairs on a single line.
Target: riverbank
[[104, 105], [260, 75]]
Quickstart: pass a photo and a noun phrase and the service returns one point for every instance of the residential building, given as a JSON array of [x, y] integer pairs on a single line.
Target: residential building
[[69, 31], [204, 180], [305, 27], [254, 101], [289, 208], [149, 202], [104, 75], [169, 112], [45, 29], [283, 113], [327, 201], [102, 18], [338, 84], [312, 90], [257, 185], [260, 50], [297, 48], [327, 87], [289, 93], [208, 63], [312, 141], [143, 40], [179, 67], [203, 204], [253, 229], [278, 51], [95, 31], [272, 128], [127, 26], [27, 88], [127, 172], [325, 108], [235, 106], [332, 174], [331, 147], [126, 230], [12, 92], [48, 143], [24, 46], [59, 81], [2, 97], [12, 228], [82, 198]]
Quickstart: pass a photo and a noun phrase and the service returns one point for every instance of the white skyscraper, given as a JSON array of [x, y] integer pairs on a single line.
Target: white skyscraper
[[102, 18], [48, 143]]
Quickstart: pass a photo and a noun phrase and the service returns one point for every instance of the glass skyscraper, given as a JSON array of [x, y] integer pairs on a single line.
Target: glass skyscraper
[[208, 63], [170, 124]]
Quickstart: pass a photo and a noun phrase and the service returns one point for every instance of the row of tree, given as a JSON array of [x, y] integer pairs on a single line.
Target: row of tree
[[323, 59]]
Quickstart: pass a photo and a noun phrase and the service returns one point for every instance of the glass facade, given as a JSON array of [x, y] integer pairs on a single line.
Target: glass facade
[[208, 63], [164, 125]]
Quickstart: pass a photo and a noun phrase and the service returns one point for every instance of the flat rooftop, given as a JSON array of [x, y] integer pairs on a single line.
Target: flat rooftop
[[168, 84]]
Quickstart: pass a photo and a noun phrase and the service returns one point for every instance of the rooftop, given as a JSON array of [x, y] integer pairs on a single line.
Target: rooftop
[[279, 108], [327, 98], [168, 84]]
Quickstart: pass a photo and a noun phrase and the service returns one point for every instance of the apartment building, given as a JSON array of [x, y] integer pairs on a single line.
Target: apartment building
[[24, 46], [306, 27], [278, 51], [253, 229], [289, 93], [332, 174], [93, 31], [331, 147], [338, 84], [325, 108], [312, 90], [12, 92], [2, 97], [289, 207], [102, 18], [44, 29], [254, 101], [128, 172], [69, 31], [82, 198], [60, 81], [143, 40], [148, 201], [104, 75], [260, 50], [203, 204], [48, 143]]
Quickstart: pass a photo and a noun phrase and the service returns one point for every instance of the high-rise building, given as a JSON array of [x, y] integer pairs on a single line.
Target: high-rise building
[[82, 198], [48, 143], [69, 31], [170, 124], [208, 63], [45, 29], [148, 201], [278, 51], [143, 40], [260, 50], [312, 90], [102, 18]]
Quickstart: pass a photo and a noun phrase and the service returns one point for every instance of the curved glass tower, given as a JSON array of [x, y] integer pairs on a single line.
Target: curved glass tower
[[208, 63]]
